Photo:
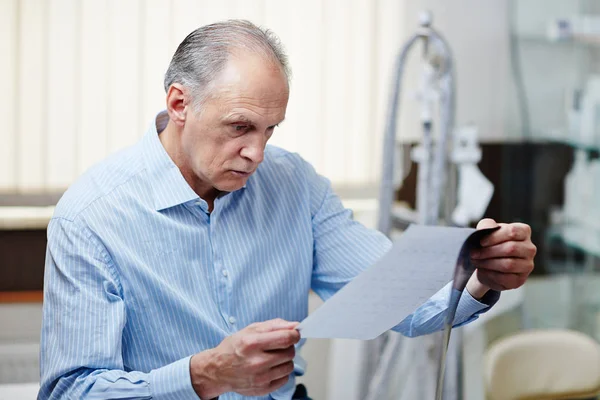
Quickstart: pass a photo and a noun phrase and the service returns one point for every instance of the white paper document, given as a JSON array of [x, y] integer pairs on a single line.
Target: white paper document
[[419, 264]]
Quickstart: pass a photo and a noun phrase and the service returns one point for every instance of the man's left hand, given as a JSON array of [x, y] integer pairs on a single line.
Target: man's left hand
[[505, 260]]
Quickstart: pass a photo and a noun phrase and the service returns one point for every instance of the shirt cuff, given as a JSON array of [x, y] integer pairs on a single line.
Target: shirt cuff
[[469, 308], [173, 381]]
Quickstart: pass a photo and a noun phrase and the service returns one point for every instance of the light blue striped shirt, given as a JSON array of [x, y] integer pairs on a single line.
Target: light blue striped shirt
[[140, 276]]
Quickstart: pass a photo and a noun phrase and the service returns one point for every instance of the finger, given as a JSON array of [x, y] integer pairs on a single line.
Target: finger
[[265, 361], [486, 223], [274, 374], [275, 340], [276, 384], [250, 342], [508, 232], [276, 357], [281, 370], [289, 352], [499, 280], [273, 325], [506, 265], [511, 249]]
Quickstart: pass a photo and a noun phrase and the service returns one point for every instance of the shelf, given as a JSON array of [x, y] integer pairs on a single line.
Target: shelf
[[590, 42], [575, 144], [559, 136]]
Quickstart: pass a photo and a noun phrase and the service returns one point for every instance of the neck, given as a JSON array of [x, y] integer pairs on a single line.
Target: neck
[[170, 139]]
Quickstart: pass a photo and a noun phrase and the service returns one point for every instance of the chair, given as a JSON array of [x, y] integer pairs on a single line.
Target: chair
[[543, 365]]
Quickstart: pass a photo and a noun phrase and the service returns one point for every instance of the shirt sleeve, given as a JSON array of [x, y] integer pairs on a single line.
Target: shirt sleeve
[[431, 316], [83, 320], [343, 248]]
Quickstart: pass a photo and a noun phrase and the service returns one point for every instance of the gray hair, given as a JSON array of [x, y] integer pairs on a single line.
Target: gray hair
[[204, 53]]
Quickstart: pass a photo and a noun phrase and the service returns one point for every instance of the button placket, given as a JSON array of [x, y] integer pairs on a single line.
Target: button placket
[[221, 273]]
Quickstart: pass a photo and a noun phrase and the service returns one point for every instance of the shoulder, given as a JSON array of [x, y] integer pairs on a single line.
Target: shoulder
[[284, 171], [285, 162], [101, 183]]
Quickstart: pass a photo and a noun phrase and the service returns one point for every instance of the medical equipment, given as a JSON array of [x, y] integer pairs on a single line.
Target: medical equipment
[[437, 85], [474, 189]]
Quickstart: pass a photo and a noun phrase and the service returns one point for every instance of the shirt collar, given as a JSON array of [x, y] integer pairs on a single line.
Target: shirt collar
[[169, 187]]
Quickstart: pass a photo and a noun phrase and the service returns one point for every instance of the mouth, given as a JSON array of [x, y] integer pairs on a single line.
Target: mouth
[[241, 174]]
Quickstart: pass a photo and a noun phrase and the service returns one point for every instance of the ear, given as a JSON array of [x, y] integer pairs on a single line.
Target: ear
[[177, 101]]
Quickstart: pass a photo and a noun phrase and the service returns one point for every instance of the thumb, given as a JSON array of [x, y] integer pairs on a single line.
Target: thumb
[[276, 324], [487, 223]]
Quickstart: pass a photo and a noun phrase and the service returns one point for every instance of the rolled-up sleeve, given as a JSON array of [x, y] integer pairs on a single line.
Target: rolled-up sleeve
[[83, 320]]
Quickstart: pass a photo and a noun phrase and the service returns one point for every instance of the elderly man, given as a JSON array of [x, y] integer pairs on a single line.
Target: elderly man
[[177, 267]]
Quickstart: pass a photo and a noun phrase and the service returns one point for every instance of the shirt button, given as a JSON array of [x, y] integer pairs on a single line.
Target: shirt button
[[231, 320], [225, 273]]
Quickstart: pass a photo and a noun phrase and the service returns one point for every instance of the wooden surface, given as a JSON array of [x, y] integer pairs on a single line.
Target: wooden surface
[[32, 296]]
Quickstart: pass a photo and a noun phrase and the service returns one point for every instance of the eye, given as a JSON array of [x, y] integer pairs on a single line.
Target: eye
[[240, 129]]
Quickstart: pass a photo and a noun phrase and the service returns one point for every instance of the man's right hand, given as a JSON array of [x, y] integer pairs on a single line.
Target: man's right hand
[[253, 362]]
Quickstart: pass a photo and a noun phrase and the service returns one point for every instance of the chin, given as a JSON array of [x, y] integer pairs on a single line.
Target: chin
[[231, 186]]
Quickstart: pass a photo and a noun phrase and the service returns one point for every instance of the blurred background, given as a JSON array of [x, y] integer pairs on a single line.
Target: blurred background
[[520, 79]]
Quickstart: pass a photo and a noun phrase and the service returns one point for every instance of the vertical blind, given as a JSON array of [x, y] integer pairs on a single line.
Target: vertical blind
[[83, 78]]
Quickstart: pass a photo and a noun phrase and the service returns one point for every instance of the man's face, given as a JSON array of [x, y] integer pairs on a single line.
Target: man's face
[[225, 142]]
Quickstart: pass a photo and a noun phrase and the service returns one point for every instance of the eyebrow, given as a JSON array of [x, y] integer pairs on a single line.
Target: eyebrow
[[235, 117]]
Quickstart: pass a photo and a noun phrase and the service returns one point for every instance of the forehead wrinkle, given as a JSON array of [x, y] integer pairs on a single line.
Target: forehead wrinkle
[[242, 105], [238, 115], [261, 100]]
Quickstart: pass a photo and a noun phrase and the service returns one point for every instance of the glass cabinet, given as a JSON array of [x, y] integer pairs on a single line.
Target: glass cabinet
[[555, 66]]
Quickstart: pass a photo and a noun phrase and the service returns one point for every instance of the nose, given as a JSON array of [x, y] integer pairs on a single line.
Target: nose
[[254, 150]]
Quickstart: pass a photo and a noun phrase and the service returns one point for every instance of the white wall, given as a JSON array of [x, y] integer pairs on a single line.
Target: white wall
[[477, 32], [19, 343]]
